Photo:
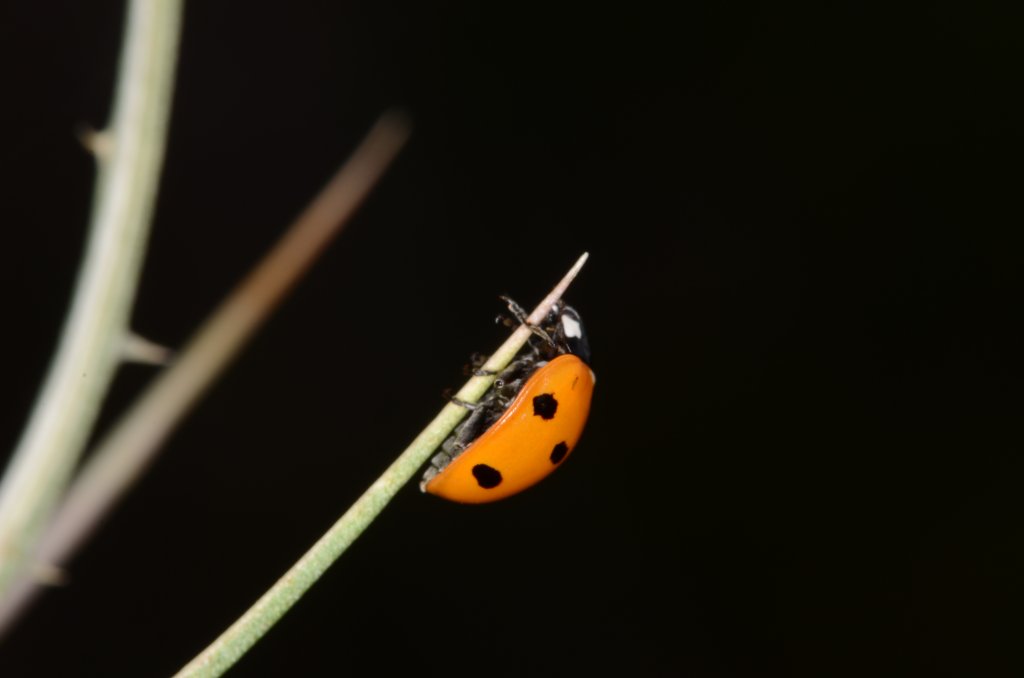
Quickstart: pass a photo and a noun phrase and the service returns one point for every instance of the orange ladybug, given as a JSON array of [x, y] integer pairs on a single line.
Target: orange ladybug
[[527, 423]]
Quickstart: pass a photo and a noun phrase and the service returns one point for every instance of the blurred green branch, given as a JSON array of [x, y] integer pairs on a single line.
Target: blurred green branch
[[129, 156], [123, 453]]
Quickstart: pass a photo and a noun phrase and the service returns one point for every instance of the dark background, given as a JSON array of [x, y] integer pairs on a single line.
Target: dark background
[[804, 454]]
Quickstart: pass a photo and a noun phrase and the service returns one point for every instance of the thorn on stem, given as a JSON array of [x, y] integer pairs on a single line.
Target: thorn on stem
[[99, 143], [47, 574], [137, 349]]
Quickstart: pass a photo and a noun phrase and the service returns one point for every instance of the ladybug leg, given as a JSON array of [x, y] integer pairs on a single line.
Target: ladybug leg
[[515, 309], [475, 366], [518, 368], [512, 368], [464, 434], [472, 407], [455, 400], [449, 448], [509, 379], [520, 315]]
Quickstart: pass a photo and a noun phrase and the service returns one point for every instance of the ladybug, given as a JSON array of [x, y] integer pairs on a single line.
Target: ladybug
[[527, 423]]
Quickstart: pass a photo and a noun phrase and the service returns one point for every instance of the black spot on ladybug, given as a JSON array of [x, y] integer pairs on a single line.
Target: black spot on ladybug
[[545, 406], [486, 476], [558, 454]]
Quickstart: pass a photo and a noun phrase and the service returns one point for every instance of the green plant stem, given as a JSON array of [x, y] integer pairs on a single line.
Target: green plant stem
[[250, 627], [129, 155], [123, 454]]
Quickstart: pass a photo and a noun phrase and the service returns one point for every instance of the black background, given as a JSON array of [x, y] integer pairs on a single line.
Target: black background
[[804, 454]]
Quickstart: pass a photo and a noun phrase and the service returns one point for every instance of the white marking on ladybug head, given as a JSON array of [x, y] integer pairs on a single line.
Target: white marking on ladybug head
[[571, 327]]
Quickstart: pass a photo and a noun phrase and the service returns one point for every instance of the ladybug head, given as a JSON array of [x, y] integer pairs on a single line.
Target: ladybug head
[[566, 330]]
